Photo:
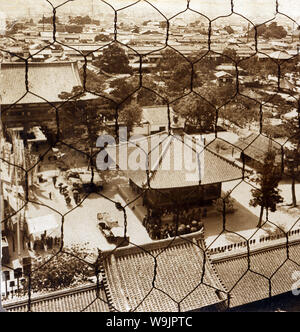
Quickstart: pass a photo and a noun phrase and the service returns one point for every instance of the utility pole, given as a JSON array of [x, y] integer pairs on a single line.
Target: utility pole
[[248, 32], [92, 10]]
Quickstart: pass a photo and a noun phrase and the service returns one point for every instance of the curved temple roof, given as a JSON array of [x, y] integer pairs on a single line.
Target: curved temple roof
[[46, 81]]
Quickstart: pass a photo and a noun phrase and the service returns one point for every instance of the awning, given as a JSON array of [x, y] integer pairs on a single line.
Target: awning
[[49, 173], [118, 231], [40, 225]]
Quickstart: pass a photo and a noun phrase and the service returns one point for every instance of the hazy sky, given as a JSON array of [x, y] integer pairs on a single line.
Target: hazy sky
[[253, 9]]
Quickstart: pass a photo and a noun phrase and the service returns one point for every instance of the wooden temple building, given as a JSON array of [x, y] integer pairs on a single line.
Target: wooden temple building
[[29, 97], [174, 170]]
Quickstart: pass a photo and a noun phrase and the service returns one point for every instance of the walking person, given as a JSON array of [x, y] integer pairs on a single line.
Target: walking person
[[50, 195], [54, 179]]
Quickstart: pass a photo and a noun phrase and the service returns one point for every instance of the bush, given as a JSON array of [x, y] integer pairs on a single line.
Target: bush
[[229, 203], [62, 271]]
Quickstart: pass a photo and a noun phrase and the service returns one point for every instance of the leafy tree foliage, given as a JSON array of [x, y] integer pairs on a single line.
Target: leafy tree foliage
[[74, 28], [225, 204], [80, 120], [80, 20], [180, 78], [197, 112], [170, 59], [102, 37], [271, 31], [267, 196], [146, 97], [63, 271], [129, 110], [114, 60], [49, 20], [94, 82], [130, 115], [230, 53], [122, 90], [293, 155], [241, 112]]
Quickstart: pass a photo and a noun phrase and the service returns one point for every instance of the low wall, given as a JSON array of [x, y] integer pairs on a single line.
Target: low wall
[[255, 245], [160, 244]]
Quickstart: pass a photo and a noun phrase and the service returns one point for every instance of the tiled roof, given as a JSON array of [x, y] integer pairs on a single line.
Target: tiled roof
[[256, 146], [131, 274], [156, 115], [76, 300], [169, 158], [269, 274], [47, 80]]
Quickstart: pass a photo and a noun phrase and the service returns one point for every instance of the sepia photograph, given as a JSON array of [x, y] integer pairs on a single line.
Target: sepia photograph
[[150, 158]]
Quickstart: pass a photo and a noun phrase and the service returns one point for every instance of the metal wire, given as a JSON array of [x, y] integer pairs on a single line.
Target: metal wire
[[168, 100]]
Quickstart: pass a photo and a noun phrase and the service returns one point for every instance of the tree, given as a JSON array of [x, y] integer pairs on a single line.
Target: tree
[[163, 24], [114, 60], [80, 20], [131, 114], [129, 110], [267, 196], [293, 155], [180, 78], [274, 131], [275, 31], [61, 272], [122, 89], [271, 31], [80, 120], [176, 72], [230, 53], [74, 28], [49, 20], [197, 112], [15, 28], [225, 204], [170, 59], [94, 82], [146, 97], [102, 37]]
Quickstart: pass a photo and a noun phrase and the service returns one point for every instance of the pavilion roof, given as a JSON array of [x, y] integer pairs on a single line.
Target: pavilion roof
[[256, 146], [167, 159]]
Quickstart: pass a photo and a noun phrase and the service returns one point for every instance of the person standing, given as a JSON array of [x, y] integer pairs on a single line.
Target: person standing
[[54, 179], [50, 195]]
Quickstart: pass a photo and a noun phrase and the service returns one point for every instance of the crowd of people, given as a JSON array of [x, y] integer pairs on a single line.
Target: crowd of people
[[165, 223], [46, 242], [65, 191]]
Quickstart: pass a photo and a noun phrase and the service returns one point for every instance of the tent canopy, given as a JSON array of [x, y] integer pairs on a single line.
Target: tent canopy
[[38, 226]]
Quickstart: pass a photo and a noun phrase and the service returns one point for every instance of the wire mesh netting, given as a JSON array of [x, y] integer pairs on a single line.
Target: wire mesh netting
[[176, 252]]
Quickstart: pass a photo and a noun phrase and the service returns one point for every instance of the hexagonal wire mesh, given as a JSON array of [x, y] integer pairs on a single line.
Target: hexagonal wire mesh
[[180, 272]]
